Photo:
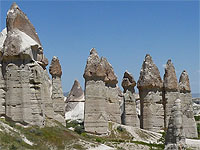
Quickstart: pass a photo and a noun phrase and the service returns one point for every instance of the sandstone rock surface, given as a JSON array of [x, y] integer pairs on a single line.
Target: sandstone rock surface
[[130, 114], [170, 89], [101, 94], [150, 91], [175, 137], [189, 123], [26, 95]]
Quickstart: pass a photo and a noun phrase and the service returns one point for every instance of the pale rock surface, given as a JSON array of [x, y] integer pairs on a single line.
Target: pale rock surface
[[130, 113], [27, 83], [75, 103], [57, 93], [22, 39], [170, 89], [175, 137], [150, 91], [189, 123], [3, 35], [102, 101], [2, 93], [27, 98]]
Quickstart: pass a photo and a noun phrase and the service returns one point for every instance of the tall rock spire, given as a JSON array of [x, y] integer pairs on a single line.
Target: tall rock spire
[[101, 94], [130, 114], [170, 89], [28, 98], [150, 91], [189, 123], [57, 92]]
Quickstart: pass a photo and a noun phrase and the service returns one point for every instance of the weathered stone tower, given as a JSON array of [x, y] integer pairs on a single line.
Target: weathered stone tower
[[150, 91], [170, 89], [25, 87], [189, 123], [101, 94], [57, 92], [130, 115]]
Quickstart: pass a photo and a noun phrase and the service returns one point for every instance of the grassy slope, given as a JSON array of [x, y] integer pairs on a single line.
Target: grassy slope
[[60, 137]]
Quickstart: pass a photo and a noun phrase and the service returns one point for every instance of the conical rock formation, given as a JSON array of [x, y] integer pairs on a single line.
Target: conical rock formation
[[26, 95], [189, 123], [101, 94], [150, 91], [75, 103], [170, 89], [22, 40]]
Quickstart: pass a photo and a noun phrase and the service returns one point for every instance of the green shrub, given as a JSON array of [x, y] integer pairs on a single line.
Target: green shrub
[[99, 140], [79, 129], [162, 138], [198, 129], [120, 129], [197, 118], [72, 123]]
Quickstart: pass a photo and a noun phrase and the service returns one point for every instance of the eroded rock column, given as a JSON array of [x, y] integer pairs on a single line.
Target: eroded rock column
[[130, 114], [150, 91], [57, 92], [189, 123], [170, 89], [27, 82], [101, 94]]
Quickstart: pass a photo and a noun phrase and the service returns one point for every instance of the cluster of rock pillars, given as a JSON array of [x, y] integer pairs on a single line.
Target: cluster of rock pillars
[[30, 97]]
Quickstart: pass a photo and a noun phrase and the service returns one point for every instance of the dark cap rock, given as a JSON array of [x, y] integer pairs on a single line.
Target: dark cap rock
[[149, 75], [94, 69], [110, 77], [128, 82], [170, 79], [55, 67], [184, 82], [99, 69]]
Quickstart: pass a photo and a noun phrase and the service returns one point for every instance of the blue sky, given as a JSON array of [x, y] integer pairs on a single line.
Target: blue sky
[[122, 31]]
